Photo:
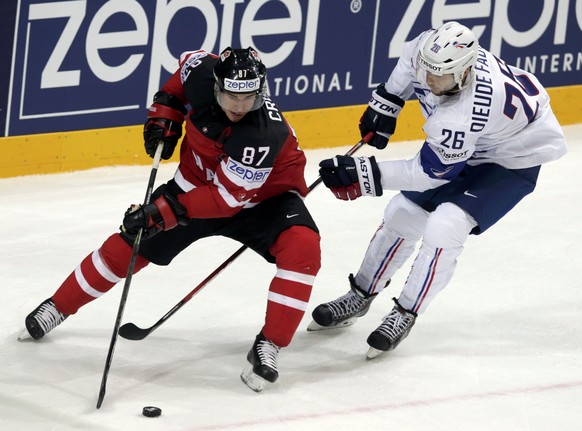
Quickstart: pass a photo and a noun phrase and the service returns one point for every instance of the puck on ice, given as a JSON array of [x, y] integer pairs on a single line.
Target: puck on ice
[[151, 412]]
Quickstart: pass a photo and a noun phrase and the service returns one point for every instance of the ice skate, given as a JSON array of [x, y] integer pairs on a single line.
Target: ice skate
[[396, 326], [42, 320], [343, 311], [263, 364]]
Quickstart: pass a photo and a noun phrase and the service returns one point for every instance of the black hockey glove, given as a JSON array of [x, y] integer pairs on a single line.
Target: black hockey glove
[[380, 116], [351, 177], [165, 118], [164, 213]]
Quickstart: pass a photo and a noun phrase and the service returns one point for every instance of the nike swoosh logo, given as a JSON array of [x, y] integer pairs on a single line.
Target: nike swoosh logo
[[466, 193], [292, 215]]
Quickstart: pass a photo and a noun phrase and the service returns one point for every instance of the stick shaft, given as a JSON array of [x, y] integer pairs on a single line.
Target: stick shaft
[[130, 269]]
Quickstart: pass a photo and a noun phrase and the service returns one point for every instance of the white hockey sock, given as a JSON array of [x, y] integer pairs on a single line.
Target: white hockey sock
[[386, 253], [430, 273], [447, 230], [393, 243]]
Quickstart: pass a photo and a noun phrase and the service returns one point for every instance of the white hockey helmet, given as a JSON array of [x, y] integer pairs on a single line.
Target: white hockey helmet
[[450, 49]]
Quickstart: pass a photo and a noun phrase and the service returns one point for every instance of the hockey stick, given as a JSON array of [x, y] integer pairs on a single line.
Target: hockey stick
[[132, 261], [131, 331]]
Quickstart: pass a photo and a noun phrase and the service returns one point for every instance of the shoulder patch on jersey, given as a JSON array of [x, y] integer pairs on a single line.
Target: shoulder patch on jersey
[[434, 167], [198, 80], [439, 174], [192, 60]]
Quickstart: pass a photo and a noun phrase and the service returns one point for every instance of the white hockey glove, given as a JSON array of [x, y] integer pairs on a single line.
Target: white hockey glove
[[380, 116], [351, 177]]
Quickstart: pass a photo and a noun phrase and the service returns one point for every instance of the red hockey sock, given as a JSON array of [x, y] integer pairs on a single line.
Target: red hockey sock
[[298, 259], [96, 274]]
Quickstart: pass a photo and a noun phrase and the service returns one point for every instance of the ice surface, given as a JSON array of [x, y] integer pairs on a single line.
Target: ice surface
[[499, 349]]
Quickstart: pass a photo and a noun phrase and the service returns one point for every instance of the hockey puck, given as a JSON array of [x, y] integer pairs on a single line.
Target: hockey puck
[[151, 411]]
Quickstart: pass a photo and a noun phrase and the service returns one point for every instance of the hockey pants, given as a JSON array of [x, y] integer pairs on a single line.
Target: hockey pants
[[297, 255]]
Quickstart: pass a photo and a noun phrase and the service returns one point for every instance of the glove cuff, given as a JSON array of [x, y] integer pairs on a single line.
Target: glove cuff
[[369, 176], [167, 214], [163, 98], [162, 111], [385, 103]]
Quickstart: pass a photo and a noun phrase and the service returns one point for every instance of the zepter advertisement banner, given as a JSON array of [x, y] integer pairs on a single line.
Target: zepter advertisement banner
[[79, 64]]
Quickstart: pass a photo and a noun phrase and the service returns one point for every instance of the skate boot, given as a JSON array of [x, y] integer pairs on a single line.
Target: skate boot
[[391, 332], [343, 311], [43, 319], [263, 368]]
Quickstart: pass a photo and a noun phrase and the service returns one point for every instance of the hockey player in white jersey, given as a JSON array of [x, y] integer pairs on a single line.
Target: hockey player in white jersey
[[489, 126]]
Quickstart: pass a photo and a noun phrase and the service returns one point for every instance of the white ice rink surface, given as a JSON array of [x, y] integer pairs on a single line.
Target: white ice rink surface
[[499, 349]]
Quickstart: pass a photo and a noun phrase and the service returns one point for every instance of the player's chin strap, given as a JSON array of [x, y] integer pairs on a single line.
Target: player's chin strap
[[131, 331], [136, 243]]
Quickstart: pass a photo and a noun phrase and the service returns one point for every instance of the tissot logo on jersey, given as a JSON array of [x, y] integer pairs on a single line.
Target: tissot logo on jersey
[[247, 173], [448, 157]]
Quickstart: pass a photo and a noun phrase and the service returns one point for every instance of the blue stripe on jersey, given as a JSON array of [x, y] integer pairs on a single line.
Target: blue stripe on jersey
[[421, 95], [424, 107]]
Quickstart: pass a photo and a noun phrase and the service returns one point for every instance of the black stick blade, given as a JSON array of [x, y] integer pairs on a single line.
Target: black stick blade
[[101, 396], [130, 331]]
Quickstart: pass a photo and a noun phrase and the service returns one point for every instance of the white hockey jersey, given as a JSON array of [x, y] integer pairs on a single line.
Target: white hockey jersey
[[503, 116]]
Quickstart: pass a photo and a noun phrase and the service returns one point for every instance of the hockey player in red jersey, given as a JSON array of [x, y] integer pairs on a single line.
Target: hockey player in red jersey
[[240, 176]]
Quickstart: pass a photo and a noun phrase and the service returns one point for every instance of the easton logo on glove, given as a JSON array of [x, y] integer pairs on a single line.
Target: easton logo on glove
[[351, 177], [364, 173], [380, 116]]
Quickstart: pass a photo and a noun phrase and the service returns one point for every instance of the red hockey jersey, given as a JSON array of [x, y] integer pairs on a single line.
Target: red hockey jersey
[[227, 166]]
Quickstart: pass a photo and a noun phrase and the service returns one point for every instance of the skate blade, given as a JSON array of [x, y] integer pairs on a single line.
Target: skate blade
[[25, 336], [314, 326], [373, 353], [253, 381]]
